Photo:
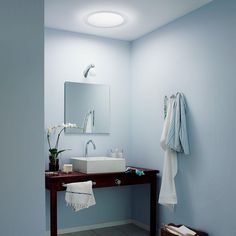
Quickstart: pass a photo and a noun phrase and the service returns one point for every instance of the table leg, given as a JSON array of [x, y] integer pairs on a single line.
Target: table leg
[[153, 206], [53, 212]]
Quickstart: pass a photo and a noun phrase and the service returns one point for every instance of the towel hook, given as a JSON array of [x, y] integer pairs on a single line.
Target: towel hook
[[165, 106]]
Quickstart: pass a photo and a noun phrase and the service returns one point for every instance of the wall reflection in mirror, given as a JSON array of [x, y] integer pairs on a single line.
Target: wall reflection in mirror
[[87, 105]]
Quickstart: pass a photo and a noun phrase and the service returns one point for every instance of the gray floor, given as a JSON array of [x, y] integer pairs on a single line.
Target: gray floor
[[121, 230]]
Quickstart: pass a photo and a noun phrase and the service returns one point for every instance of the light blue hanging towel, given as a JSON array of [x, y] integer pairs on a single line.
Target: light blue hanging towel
[[177, 138]]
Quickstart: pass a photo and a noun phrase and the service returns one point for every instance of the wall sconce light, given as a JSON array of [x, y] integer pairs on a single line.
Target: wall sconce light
[[86, 71]]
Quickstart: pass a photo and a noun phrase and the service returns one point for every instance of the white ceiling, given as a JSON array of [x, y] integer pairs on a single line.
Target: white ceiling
[[143, 16]]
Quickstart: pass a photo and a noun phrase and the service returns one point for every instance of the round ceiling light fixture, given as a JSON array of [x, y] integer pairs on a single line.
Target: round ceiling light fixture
[[105, 19]]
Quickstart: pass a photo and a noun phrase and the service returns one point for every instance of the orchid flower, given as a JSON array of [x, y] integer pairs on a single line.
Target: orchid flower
[[54, 151]]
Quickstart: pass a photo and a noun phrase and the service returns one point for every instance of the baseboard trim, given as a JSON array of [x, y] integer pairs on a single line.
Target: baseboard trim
[[141, 225], [102, 225]]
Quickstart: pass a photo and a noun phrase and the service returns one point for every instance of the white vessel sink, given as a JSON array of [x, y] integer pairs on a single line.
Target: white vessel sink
[[91, 165]]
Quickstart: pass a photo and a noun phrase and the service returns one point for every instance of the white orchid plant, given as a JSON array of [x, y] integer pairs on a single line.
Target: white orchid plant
[[54, 152]]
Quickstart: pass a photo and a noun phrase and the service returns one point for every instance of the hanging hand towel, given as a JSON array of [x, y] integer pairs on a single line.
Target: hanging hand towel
[[80, 195], [168, 195], [177, 137]]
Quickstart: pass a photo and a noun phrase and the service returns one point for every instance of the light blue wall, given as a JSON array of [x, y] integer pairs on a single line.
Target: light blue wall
[[22, 211], [66, 56], [195, 55]]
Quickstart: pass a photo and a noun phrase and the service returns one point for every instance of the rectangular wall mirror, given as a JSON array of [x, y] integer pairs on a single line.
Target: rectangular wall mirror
[[87, 105]]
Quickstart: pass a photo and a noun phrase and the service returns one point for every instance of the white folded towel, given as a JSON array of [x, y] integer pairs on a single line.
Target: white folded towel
[[80, 195], [180, 231]]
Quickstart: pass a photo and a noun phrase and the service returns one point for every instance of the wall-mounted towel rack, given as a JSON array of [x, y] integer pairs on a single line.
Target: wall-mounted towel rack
[[165, 106], [166, 103]]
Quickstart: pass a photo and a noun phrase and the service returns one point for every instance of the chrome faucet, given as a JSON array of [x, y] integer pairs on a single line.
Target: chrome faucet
[[86, 147]]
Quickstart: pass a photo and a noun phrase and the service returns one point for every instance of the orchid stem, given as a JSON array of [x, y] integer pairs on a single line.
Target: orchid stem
[[48, 138], [58, 136]]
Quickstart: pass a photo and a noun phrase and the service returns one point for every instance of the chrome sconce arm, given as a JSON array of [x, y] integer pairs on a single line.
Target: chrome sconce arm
[[86, 71]]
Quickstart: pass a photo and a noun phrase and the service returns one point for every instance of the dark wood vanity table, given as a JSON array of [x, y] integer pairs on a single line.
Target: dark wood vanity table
[[55, 183]]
